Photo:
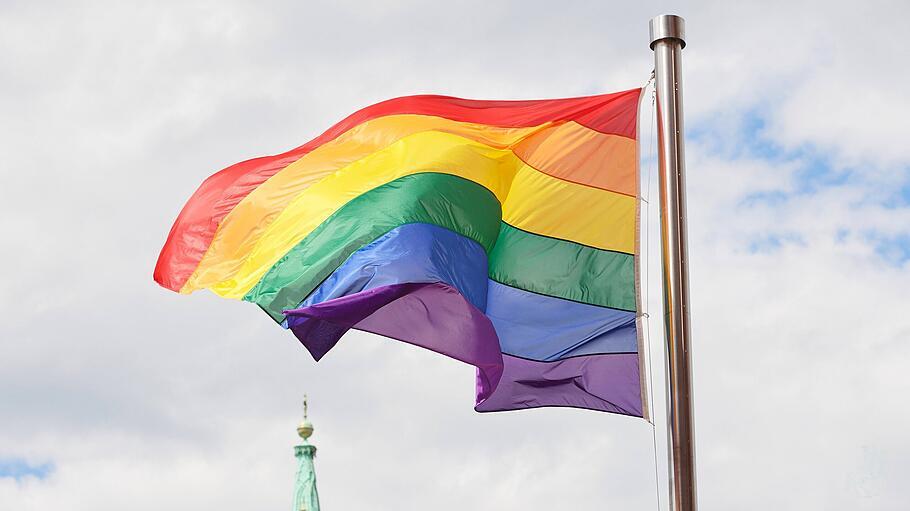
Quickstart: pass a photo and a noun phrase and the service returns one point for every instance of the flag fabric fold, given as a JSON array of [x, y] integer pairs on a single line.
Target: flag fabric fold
[[503, 234]]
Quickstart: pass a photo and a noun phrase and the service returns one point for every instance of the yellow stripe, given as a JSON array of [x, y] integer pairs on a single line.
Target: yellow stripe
[[232, 274], [552, 207]]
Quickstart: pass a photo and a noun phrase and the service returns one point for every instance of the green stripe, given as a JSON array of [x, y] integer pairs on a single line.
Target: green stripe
[[563, 269], [445, 200]]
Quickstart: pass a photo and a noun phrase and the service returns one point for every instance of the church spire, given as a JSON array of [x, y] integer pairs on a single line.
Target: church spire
[[306, 498]]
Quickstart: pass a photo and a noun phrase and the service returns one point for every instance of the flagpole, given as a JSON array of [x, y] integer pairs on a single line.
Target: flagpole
[[667, 41]]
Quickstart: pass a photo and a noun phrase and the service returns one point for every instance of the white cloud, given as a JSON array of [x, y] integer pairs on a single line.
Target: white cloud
[[114, 112]]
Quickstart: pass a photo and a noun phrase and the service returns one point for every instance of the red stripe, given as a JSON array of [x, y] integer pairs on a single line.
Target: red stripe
[[195, 227]]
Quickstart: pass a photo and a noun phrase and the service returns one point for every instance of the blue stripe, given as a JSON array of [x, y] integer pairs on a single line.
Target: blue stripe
[[545, 328], [411, 253], [529, 325]]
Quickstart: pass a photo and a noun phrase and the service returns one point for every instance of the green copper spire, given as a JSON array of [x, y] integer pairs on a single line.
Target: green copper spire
[[306, 498]]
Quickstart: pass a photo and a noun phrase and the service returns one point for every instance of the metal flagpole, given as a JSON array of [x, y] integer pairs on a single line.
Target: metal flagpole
[[667, 40]]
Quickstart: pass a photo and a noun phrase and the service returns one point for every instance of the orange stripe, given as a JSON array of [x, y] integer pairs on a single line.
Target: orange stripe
[[574, 153]]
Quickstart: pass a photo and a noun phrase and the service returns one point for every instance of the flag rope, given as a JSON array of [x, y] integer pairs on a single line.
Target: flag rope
[[646, 196]]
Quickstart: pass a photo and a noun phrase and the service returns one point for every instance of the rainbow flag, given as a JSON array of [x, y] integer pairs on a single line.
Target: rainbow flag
[[500, 233]]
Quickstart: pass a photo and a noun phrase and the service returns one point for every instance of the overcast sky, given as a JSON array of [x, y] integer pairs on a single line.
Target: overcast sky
[[117, 394]]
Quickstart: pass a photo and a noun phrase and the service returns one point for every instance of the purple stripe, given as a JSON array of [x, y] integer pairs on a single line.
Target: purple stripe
[[437, 317], [600, 382], [430, 315]]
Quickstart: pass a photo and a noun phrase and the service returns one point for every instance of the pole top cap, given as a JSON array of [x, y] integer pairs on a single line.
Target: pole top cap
[[668, 26]]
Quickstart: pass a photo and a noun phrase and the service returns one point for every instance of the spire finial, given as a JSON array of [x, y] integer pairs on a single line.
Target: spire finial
[[305, 428]]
